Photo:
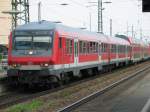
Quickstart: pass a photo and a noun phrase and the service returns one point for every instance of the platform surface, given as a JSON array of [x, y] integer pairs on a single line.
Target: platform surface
[[132, 96], [2, 73]]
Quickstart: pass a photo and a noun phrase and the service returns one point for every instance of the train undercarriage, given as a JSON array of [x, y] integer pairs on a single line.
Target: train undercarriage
[[44, 77]]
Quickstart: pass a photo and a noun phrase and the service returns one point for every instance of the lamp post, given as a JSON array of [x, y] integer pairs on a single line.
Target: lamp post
[[100, 14], [57, 22], [13, 12], [110, 27], [83, 28], [90, 16], [40, 12], [64, 4]]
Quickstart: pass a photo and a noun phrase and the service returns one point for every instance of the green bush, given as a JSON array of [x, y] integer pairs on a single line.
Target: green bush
[[0, 57]]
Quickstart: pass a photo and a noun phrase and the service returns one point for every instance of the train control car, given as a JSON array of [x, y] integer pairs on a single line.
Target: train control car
[[46, 52]]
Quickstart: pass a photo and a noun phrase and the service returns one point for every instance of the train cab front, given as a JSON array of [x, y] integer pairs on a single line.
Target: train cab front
[[30, 52]]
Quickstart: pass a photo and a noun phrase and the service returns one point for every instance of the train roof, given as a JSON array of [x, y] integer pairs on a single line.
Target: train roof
[[119, 41], [71, 32], [134, 40], [43, 25]]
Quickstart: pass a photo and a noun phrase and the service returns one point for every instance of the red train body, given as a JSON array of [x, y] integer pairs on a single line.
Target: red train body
[[47, 49]]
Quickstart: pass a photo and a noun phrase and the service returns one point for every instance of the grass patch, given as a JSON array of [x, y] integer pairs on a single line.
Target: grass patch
[[29, 107]]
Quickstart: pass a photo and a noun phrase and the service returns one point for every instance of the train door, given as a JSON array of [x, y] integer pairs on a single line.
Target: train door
[[109, 52], [117, 52], [68, 57], [61, 52], [99, 51], [76, 53]]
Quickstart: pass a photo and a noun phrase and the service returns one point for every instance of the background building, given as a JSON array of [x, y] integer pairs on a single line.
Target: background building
[[5, 21]]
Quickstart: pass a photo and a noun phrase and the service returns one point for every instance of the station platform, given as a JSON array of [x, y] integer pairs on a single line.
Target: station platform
[[131, 96], [3, 74]]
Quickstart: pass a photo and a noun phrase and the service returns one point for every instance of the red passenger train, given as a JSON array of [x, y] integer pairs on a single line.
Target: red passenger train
[[46, 52]]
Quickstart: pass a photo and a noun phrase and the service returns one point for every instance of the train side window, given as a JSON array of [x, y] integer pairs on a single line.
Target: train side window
[[84, 47], [102, 47], [96, 48], [128, 49], [88, 47], [105, 47], [67, 46], [80, 47], [70, 47], [124, 49], [60, 42], [111, 48], [119, 49], [93, 47], [114, 49]]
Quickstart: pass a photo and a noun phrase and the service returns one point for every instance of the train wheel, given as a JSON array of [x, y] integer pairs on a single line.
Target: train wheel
[[65, 78], [95, 71], [90, 72], [55, 82]]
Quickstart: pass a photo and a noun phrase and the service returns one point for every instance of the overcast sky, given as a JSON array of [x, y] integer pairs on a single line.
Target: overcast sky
[[76, 14]]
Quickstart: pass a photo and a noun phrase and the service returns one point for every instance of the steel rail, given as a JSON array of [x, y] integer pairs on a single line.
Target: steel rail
[[102, 91]]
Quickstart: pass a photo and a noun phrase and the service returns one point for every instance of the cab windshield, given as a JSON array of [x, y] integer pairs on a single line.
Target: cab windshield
[[27, 43], [35, 42]]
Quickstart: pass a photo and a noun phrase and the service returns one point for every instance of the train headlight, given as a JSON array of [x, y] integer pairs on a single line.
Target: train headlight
[[30, 52], [15, 65], [45, 65]]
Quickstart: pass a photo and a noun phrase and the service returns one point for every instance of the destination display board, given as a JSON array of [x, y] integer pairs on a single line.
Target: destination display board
[[146, 5]]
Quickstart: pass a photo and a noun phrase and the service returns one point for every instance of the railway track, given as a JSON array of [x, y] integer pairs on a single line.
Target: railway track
[[88, 98], [9, 98]]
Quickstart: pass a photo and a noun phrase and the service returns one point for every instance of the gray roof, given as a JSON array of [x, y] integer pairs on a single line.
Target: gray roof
[[66, 30], [44, 25], [47, 25]]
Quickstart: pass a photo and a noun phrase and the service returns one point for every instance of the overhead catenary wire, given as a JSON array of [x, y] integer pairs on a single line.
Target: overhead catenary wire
[[59, 12]]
